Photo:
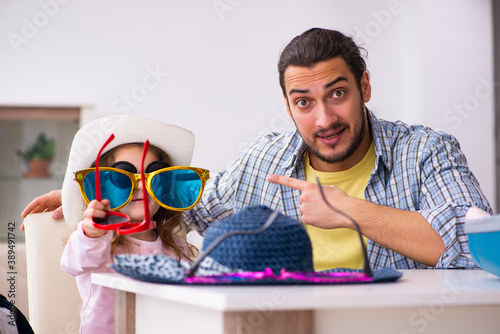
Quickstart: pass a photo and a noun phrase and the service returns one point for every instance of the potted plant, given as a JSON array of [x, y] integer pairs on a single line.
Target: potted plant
[[38, 156]]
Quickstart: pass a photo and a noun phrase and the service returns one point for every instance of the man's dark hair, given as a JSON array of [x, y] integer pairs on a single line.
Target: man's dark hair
[[317, 45]]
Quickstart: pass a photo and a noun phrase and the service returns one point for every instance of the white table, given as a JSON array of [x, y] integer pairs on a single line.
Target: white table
[[422, 301]]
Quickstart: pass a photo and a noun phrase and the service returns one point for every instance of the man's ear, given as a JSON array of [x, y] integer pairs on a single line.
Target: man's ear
[[288, 106], [366, 88]]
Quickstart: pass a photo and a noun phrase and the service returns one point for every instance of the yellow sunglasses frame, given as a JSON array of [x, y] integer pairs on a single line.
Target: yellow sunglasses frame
[[204, 175]]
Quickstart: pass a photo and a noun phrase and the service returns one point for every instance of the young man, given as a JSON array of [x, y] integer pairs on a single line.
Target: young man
[[408, 187]]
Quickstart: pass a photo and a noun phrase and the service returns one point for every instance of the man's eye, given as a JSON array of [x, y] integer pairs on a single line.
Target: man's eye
[[302, 103], [338, 93]]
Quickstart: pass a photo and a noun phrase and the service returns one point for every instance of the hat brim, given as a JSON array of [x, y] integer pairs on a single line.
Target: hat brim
[[177, 142], [163, 269]]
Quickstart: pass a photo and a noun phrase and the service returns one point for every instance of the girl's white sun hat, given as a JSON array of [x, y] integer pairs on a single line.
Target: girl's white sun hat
[[177, 142]]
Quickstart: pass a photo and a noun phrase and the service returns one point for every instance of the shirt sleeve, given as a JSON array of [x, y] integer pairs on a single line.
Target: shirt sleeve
[[244, 181], [218, 200], [82, 253], [448, 190]]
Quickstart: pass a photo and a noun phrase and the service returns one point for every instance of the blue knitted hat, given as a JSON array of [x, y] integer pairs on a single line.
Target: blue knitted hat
[[284, 244]]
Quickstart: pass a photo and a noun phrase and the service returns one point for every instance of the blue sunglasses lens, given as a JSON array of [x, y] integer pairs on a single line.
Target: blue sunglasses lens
[[115, 186], [178, 188]]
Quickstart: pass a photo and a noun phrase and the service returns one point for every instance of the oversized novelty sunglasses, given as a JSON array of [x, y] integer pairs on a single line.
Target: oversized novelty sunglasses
[[176, 188], [327, 277]]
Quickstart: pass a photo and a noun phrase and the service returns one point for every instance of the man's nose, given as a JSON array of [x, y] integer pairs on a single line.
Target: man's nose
[[325, 115]]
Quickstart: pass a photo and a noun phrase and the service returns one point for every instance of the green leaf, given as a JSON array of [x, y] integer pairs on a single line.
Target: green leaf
[[43, 148]]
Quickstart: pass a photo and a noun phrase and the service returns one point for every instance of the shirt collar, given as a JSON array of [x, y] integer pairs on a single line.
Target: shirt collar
[[297, 143], [381, 142]]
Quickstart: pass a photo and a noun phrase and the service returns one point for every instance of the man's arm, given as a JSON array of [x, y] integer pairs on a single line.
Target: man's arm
[[404, 232], [50, 201]]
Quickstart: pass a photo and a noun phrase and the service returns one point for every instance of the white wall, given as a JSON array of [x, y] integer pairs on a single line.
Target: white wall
[[431, 62]]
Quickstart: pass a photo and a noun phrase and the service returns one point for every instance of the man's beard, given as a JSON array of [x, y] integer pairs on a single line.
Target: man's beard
[[352, 146]]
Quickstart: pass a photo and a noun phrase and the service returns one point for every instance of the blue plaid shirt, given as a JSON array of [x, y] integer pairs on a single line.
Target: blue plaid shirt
[[416, 169]]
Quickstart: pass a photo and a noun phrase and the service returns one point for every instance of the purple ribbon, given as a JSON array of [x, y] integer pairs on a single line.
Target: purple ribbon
[[268, 274]]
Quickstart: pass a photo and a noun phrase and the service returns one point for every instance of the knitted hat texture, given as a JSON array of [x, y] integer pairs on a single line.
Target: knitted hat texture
[[285, 244]]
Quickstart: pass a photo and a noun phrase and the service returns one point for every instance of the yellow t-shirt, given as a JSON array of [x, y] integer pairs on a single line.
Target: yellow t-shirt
[[340, 247]]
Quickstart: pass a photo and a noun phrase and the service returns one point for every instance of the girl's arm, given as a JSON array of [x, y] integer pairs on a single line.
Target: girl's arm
[[83, 253], [88, 248]]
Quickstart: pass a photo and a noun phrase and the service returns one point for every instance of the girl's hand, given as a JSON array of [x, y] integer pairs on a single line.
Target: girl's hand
[[98, 210]]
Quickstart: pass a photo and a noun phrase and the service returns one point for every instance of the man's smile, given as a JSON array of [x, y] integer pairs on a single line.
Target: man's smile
[[331, 137]]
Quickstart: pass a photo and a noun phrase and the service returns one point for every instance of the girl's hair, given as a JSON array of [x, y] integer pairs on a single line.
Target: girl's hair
[[167, 222]]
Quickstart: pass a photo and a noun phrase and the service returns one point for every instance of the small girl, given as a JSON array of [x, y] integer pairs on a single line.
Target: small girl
[[90, 249]]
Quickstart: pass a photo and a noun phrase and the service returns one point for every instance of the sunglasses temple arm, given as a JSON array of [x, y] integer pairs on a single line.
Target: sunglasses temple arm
[[97, 176], [147, 217], [217, 241], [367, 268]]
